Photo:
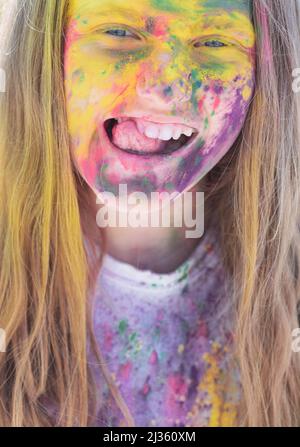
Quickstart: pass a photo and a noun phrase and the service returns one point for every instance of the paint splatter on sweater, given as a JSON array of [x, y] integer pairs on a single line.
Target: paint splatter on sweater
[[167, 340]]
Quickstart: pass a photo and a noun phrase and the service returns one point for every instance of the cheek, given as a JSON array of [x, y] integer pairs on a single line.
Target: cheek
[[87, 69], [223, 109], [95, 86], [224, 116]]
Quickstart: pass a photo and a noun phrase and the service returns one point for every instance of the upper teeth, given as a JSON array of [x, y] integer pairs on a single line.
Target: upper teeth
[[161, 131]]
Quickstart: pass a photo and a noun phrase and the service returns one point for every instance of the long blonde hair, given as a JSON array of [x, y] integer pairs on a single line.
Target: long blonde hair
[[47, 222]]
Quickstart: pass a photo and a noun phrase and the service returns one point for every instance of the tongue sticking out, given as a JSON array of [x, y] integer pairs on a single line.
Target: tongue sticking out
[[126, 135]]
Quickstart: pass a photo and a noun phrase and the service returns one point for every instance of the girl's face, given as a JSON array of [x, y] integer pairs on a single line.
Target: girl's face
[[157, 90]]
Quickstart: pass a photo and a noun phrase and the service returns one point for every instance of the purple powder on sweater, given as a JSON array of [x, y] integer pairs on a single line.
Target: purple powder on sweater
[[167, 341]]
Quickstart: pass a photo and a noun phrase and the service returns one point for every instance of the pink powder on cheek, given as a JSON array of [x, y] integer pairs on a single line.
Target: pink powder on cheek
[[216, 103], [71, 34], [200, 104], [89, 170]]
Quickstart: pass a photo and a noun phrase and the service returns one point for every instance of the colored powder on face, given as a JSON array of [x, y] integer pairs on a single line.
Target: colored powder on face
[[246, 93], [229, 5], [78, 75], [166, 5], [166, 60], [168, 91], [196, 85]]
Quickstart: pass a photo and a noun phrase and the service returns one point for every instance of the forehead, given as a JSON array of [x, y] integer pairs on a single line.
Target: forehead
[[188, 8]]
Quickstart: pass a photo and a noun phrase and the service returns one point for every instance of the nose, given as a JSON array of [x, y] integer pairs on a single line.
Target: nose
[[153, 86]]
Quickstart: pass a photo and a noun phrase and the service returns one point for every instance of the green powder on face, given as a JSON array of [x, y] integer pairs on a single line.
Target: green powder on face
[[169, 186], [128, 57], [176, 46], [213, 69], [78, 76], [196, 84], [228, 5], [182, 163], [168, 91], [198, 160], [166, 5]]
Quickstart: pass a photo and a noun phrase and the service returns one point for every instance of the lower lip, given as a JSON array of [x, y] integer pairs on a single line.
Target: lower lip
[[147, 155]]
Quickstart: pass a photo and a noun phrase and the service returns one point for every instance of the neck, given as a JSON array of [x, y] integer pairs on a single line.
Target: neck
[[159, 249]]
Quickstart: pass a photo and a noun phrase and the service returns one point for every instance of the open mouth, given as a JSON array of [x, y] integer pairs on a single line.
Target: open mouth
[[167, 147]]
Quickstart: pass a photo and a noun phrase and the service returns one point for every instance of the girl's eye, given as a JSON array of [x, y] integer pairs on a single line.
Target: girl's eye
[[119, 33], [211, 44]]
